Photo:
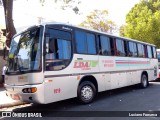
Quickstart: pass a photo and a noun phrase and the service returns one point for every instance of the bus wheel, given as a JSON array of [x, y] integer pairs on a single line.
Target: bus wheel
[[86, 92], [144, 81]]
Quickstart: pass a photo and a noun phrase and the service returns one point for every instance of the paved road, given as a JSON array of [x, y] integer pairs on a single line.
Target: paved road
[[131, 99]]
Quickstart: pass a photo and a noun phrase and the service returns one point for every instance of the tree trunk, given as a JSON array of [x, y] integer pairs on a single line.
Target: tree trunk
[[10, 29]]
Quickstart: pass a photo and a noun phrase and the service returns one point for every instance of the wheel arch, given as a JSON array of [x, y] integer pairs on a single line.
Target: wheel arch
[[145, 73], [90, 78]]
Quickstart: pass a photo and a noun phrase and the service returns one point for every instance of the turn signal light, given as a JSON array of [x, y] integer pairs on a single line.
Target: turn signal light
[[34, 89], [29, 90]]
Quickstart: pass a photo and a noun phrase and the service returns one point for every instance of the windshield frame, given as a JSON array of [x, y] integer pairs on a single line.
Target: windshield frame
[[41, 36]]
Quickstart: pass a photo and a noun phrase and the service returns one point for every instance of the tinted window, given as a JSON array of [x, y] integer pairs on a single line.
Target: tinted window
[[64, 49], [154, 52], [59, 54], [81, 42], [149, 51], [140, 50], [120, 47], [91, 45], [85, 42], [59, 34], [59, 49], [105, 45], [132, 49]]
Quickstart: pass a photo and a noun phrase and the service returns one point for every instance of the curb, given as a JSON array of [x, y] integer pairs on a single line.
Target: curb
[[12, 104]]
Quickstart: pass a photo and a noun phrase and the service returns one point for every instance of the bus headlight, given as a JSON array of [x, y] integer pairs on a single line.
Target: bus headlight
[[29, 90]]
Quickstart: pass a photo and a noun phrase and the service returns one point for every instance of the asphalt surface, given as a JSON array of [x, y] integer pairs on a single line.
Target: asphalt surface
[[110, 105]]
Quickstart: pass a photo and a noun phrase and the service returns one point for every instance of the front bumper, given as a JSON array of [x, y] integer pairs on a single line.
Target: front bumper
[[16, 93]]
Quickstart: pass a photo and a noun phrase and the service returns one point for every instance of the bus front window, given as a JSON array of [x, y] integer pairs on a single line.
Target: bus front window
[[25, 52]]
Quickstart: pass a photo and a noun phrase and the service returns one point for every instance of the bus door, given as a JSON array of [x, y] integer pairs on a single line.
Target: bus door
[[57, 67]]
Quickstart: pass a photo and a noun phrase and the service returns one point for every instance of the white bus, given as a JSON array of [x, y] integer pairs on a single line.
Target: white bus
[[53, 61]]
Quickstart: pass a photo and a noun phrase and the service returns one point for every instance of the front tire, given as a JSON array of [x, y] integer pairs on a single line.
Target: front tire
[[144, 81], [86, 92]]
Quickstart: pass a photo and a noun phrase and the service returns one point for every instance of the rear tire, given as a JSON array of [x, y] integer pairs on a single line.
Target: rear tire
[[86, 92], [144, 81]]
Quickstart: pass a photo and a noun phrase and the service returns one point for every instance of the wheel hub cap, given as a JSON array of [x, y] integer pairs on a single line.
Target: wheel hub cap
[[87, 92]]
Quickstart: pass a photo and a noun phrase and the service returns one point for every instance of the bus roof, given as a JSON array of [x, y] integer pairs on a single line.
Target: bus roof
[[116, 36], [96, 31]]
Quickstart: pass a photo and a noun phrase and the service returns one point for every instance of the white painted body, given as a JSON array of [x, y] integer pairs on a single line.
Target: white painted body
[[110, 72]]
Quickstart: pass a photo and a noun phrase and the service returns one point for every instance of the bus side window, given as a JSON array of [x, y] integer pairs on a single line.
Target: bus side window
[[145, 51], [135, 49], [132, 49], [120, 47], [149, 51], [85, 42], [105, 48], [91, 43], [154, 52], [81, 46], [112, 46], [125, 48], [140, 50]]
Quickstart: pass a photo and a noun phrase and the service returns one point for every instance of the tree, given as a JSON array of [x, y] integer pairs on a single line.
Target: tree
[[142, 22], [121, 30], [72, 4], [8, 8], [98, 20]]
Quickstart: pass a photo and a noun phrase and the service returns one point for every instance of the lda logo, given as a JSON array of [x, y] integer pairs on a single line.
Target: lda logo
[[6, 114], [85, 64]]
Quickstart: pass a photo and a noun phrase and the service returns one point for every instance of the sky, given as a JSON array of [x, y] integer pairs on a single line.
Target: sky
[[25, 12]]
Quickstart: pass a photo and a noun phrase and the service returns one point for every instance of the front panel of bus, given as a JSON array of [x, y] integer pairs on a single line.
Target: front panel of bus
[[24, 74]]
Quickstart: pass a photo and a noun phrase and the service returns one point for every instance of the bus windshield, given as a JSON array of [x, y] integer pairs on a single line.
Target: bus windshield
[[25, 51]]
